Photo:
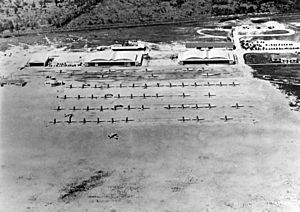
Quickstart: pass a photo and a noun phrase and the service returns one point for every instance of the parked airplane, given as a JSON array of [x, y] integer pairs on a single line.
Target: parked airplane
[[237, 106], [198, 119], [183, 106], [195, 84], [145, 96], [130, 108], [127, 120], [116, 107], [113, 120], [226, 118], [158, 96], [209, 94], [183, 119], [184, 95], [144, 108], [59, 108], [106, 96], [234, 83], [169, 107], [74, 108], [210, 106], [103, 108], [99, 121], [115, 136]]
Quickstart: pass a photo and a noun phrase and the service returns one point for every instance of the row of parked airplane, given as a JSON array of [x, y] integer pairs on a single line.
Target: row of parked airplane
[[145, 86], [84, 120], [183, 119], [131, 96], [169, 107], [126, 120], [101, 108]]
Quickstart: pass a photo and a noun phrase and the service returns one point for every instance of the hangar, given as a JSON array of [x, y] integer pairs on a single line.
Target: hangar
[[109, 58], [196, 56], [38, 60]]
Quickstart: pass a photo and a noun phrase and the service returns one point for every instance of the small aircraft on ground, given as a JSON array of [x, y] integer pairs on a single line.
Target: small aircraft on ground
[[184, 95], [113, 120], [116, 107], [169, 107], [58, 108], [114, 135], [210, 106], [198, 119], [226, 118], [237, 106], [183, 106], [209, 95], [234, 83], [126, 120], [144, 108], [183, 119]]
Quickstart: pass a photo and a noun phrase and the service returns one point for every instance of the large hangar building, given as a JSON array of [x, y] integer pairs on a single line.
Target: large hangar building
[[197, 56], [109, 58]]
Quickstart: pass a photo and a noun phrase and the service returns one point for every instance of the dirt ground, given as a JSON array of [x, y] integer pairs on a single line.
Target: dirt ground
[[155, 163]]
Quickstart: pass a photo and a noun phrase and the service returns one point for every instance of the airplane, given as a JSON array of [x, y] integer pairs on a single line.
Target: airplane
[[99, 121], [116, 107], [131, 96], [152, 76], [210, 106], [184, 107], [144, 108], [209, 95], [221, 84], [103, 108], [88, 108], [93, 97], [208, 84], [158, 85], [182, 84], [237, 106], [226, 118], [74, 108], [184, 95], [107, 96], [198, 119], [169, 107], [79, 97], [157, 95], [113, 120], [70, 115], [170, 85], [183, 119], [58, 108], [127, 120], [196, 107], [108, 86], [145, 86], [209, 75], [83, 85], [64, 97], [130, 108], [84, 121], [54, 121], [70, 86], [144, 96], [234, 83], [115, 136], [195, 84], [119, 96], [134, 85]]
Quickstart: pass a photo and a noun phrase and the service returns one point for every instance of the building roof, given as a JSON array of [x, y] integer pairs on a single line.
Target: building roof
[[38, 58], [114, 56], [228, 45], [196, 54], [70, 57]]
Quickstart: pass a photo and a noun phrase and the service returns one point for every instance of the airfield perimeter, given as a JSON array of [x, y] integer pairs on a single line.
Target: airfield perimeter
[[157, 163]]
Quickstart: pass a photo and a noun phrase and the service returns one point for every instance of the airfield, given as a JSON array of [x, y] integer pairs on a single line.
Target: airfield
[[156, 137]]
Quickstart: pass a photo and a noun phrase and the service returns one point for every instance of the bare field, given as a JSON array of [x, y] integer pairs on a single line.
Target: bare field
[[249, 163]]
